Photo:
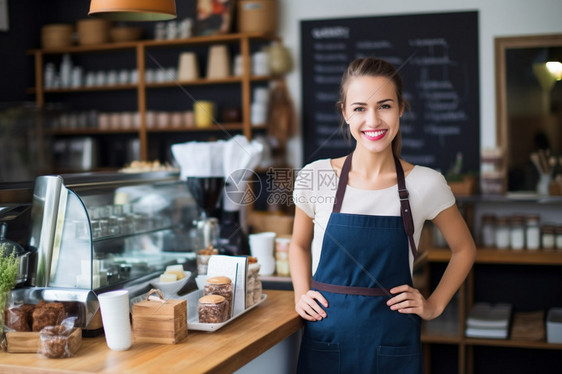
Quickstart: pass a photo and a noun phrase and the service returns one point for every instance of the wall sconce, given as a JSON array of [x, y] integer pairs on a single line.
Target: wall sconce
[[544, 74], [133, 10], [555, 69]]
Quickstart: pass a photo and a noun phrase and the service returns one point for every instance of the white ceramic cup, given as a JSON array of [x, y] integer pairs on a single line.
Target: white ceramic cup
[[111, 77], [260, 63], [261, 95], [100, 78], [114, 306], [258, 113], [160, 75], [262, 247], [123, 76]]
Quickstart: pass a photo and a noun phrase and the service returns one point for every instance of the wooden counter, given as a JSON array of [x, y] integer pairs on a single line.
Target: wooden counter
[[222, 351]]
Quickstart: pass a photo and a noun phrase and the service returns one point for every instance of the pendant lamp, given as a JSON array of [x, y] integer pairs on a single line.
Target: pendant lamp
[[133, 10]]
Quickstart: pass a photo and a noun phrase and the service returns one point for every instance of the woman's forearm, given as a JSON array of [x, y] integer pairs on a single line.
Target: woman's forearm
[[301, 274], [456, 272], [453, 227], [300, 257]]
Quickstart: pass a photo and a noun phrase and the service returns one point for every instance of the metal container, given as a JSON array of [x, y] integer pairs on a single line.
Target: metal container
[[207, 232]]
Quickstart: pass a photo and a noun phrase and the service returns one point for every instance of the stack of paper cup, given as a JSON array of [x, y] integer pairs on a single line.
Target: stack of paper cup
[[262, 247], [218, 64], [188, 68]]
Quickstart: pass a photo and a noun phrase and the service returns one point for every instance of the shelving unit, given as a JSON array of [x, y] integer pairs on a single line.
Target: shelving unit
[[243, 43], [506, 262], [504, 256]]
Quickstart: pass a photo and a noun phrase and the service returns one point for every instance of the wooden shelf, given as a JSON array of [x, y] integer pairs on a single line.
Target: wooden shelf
[[229, 80], [96, 131], [208, 39], [91, 131], [504, 256], [219, 127], [86, 48], [513, 343], [116, 87], [455, 339], [440, 338], [196, 82]]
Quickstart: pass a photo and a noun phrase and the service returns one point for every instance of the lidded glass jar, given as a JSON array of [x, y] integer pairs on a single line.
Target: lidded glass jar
[[487, 231], [220, 286], [533, 231], [559, 238], [548, 236], [212, 309], [282, 256], [517, 232], [502, 233]]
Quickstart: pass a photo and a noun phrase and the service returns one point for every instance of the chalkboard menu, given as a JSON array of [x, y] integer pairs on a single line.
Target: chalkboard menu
[[437, 56]]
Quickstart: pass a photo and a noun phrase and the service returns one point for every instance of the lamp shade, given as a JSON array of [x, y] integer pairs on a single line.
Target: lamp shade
[[133, 10]]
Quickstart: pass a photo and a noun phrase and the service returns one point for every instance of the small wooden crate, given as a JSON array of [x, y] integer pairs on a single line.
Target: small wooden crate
[[30, 342], [163, 322]]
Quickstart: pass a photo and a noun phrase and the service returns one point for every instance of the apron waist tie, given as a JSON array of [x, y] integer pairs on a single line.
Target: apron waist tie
[[350, 290]]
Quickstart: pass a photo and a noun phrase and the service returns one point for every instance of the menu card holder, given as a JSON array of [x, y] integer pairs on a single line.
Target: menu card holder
[[235, 268]]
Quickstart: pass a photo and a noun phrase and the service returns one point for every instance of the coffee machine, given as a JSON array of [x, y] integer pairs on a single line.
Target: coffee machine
[[211, 168], [206, 192]]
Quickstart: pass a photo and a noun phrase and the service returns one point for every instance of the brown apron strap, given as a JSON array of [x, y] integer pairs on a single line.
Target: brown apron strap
[[349, 290], [405, 210], [342, 184]]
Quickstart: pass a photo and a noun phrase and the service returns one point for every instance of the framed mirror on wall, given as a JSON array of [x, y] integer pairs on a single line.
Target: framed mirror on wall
[[529, 111]]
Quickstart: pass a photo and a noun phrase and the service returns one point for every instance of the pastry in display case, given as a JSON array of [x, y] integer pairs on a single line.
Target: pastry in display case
[[93, 233]]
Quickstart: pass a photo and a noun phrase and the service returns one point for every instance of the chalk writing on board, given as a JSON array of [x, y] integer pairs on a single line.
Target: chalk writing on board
[[439, 66]]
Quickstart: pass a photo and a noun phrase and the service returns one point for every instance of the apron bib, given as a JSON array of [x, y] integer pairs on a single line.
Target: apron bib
[[363, 256]]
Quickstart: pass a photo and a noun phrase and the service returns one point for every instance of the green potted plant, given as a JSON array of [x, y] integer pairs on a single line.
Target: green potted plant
[[8, 274], [462, 184]]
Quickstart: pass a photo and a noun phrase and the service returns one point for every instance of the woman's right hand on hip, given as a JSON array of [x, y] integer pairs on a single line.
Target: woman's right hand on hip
[[309, 306]]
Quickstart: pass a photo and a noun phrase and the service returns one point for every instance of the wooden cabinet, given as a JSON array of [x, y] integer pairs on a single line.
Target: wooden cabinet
[[529, 280], [144, 96]]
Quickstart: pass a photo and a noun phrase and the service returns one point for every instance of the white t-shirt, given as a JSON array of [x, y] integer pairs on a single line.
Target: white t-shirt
[[315, 191]]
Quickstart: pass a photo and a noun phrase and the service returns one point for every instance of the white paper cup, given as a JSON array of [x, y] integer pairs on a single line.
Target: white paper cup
[[261, 247], [114, 308]]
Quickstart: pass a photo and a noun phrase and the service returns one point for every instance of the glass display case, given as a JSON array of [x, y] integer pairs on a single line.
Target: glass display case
[[103, 234], [91, 233]]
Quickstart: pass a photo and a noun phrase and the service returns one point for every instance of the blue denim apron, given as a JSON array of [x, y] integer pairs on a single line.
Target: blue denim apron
[[363, 256]]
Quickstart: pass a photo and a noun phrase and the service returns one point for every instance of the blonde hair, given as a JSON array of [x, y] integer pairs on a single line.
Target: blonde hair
[[373, 67]]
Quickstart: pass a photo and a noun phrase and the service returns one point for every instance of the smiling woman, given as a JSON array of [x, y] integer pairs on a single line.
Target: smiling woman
[[357, 254]]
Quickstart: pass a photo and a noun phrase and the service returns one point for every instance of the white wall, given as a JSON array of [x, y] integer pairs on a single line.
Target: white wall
[[496, 18]]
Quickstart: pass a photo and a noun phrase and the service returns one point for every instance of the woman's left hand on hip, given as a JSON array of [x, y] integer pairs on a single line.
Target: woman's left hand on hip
[[409, 300]]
